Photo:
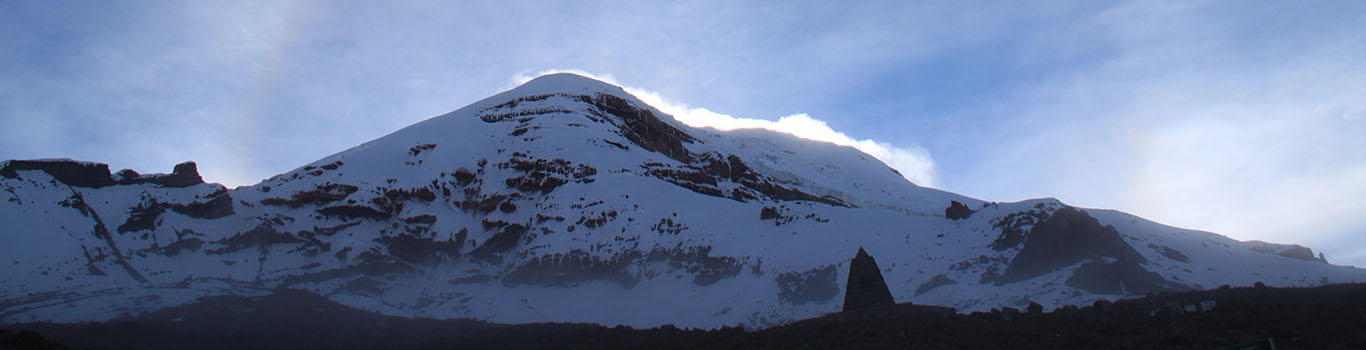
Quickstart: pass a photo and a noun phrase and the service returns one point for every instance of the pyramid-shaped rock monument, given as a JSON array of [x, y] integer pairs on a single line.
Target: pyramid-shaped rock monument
[[866, 288]]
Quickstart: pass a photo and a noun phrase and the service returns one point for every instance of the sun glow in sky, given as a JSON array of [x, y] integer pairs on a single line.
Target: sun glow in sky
[[1240, 118]]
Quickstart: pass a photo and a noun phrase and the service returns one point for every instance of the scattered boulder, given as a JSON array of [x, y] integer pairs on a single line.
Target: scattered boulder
[[768, 213], [866, 289]]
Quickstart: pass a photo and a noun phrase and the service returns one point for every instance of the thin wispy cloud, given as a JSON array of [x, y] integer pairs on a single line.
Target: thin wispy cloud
[[1188, 121], [914, 162]]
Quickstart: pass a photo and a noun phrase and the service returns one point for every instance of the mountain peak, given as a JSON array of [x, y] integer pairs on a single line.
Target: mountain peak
[[569, 83], [567, 199]]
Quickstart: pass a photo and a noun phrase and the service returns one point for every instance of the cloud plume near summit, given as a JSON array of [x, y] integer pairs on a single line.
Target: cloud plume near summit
[[913, 162]]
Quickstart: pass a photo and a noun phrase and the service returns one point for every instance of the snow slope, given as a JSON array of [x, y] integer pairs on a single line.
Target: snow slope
[[567, 199]]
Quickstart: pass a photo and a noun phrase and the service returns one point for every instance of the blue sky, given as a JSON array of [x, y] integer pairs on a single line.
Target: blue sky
[[1243, 118]]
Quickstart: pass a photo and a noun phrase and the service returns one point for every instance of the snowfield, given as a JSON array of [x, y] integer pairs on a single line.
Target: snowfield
[[567, 199]]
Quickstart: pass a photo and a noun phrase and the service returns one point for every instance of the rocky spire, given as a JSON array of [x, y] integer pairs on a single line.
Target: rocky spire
[[866, 288]]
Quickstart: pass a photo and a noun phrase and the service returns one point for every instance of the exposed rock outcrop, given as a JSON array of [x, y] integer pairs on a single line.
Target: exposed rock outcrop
[[1170, 253], [1119, 277], [957, 211], [70, 172], [645, 129], [183, 175], [1068, 236], [937, 281], [1293, 251], [95, 175], [813, 285], [577, 266]]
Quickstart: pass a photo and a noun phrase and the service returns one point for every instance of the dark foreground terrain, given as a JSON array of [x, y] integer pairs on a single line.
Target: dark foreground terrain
[[1329, 317]]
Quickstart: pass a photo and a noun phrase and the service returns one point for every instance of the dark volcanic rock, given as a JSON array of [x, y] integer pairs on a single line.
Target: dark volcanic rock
[[866, 288], [1298, 252], [697, 260], [1170, 253], [321, 194], [1068, 236], [645, 129], [70, 172], [768, 213], [184, 175], [141, 218], [1293, 251], [176, 247], [567, 270], [957, 211], [1012, 227], [420, 250], [144, 215], [802, 287], [262, 236], [217, 207], [935, 282], [353, 211], [504, 240], [1119, 277]]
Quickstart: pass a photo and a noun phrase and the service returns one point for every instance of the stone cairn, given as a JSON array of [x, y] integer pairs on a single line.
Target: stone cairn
[[866, 288]]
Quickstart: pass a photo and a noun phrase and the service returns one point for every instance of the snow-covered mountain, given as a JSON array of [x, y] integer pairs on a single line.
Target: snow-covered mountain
[[567, 199]]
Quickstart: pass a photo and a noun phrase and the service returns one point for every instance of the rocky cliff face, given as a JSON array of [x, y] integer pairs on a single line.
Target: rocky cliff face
[[566, 199]]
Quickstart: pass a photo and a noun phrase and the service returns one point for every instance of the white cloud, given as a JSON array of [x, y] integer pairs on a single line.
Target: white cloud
[[1187, 122], [914, 163]]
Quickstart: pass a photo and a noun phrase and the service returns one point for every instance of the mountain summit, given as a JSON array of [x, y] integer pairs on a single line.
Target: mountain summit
[[568, 199]]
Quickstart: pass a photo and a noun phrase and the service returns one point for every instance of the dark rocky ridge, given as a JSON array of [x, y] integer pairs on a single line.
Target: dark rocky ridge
[[1067, 237], [701, 173], [1294, 251], [95, 175], [1327, 317], [72, 173], [144, 215]]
